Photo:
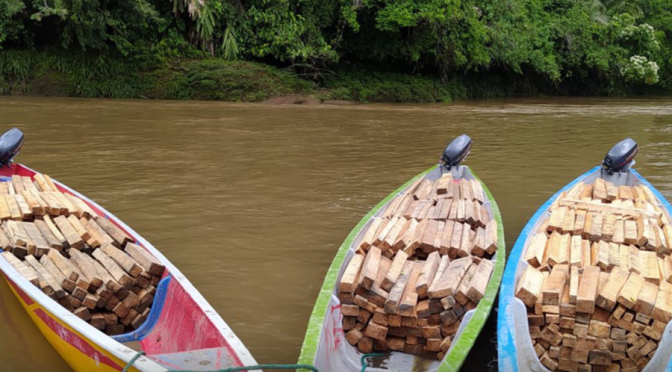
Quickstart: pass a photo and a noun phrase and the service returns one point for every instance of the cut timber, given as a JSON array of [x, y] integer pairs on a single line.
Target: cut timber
[[600, 255], [391, 238], [450, 279], [479, 282], [554, 285], [370, 268], [67, 268], [536, 249], [23, 268], [575, 251], [117, 272], [600, 189], [574, 279], [79, 228], [648, 266], [646, 299], [86, 268], [607, 208], [57, 274], [625, 192], [74, 240], [44, 273], [428, 273], [115, 232], [555, 253], [55, 231], [568, 221], [41, 244], [410, 297], [663, 307], [529, 286], [26, 211], [465, 242], [491, 240], [456, 240], [377, 295], [14, 209], [392, 303], [86, 210], [350, 277], [587, 292], [444, 183], [460, 294], [52, 241], [556, 220], [607, 297], [394, 271], [382, 233], [443, 265], [122, 259], [630, 291]]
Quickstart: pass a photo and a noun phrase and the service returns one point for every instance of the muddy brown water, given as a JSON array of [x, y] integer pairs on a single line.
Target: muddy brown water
[[252, 201]]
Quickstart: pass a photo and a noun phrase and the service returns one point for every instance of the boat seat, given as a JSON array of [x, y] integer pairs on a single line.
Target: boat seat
[[198, 360]]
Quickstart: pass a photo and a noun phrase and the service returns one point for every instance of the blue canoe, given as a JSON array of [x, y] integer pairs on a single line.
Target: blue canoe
[[514, 345]]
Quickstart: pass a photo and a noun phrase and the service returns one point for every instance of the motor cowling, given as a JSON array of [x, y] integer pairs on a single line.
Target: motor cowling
[[456, 151], [621, 156], [10, 145]]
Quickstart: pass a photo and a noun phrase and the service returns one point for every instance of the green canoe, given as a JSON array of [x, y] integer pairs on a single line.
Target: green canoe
[[325, 345]]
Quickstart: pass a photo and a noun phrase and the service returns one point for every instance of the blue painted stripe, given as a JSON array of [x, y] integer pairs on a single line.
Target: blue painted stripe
[[506, 343], [154, 314]]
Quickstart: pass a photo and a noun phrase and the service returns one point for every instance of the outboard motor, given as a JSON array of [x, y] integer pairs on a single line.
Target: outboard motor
[[621, 157], [10, 145], [456, 151]]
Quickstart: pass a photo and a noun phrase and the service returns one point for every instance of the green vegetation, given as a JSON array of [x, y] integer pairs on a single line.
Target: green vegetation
[[361, 50]]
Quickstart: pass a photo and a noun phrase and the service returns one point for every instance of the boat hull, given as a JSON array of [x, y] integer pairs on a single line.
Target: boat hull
[[181, 327], [325, 346], [514, 346]]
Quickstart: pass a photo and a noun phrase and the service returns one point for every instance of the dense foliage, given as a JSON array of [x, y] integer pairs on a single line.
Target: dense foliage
[[525, 46]]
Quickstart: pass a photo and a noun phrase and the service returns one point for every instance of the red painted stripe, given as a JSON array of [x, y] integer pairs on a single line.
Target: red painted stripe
[[26, 299], [75, 340]]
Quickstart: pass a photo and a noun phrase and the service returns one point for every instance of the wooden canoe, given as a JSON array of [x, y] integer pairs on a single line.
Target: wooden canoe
[[182, 332], [325, 345], [515, 346]]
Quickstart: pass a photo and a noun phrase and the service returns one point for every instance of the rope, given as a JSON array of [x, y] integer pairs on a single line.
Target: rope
[[364, 365], [235, 369], [130, 362]]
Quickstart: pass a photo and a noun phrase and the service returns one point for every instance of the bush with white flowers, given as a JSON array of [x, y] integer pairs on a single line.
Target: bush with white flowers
[[640, 69]]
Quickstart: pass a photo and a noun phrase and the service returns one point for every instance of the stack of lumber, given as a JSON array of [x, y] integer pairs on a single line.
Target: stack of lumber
[[597, 281], [81, 260], [419, 267]]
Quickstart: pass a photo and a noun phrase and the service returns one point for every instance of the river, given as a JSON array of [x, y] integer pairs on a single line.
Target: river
[[251, 201]]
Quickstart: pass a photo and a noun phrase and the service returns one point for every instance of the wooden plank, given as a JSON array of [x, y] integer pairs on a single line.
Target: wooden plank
[[22, 268], [607, 297], [646, 300], [64, 226], [394, 297], [595, 232], [600, 189], [587, 292], [24, 208], [33, 204], [648, 266], [150, 263], [41, 244], [49, 182], [479, 283], [115, 270], [350, 276], [460, 294], [67, 268], [429, 235], [86, 268], [378, 295], [574, 280], [557, 218], [17, 236], [615, 256], [536, 249], [461, 210], [619, 232], [587, 227], [491, 237], [115, 232], [600, 255], [428, 273], [456, 240], [101, 235], [623, 210], [554, 285], [612, 191], [630, 292], [79, 228], [57, 274], [529, 286], [48, 235], [608, 227], [394, 271], [5, 213], [443, 183], [370, 267], [450, 279], [579, 222], [85, 210], [410, 297], [398, 228], [625, 192], [14, 210], [465, 242], [568, 221], [51, 282], [662, 310]]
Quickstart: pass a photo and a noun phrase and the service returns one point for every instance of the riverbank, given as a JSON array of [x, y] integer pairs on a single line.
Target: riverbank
[[87, 75]]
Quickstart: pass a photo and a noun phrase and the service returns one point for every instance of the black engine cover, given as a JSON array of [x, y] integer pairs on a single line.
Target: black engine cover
[[620, 157], [10, 145], [456, 151]]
